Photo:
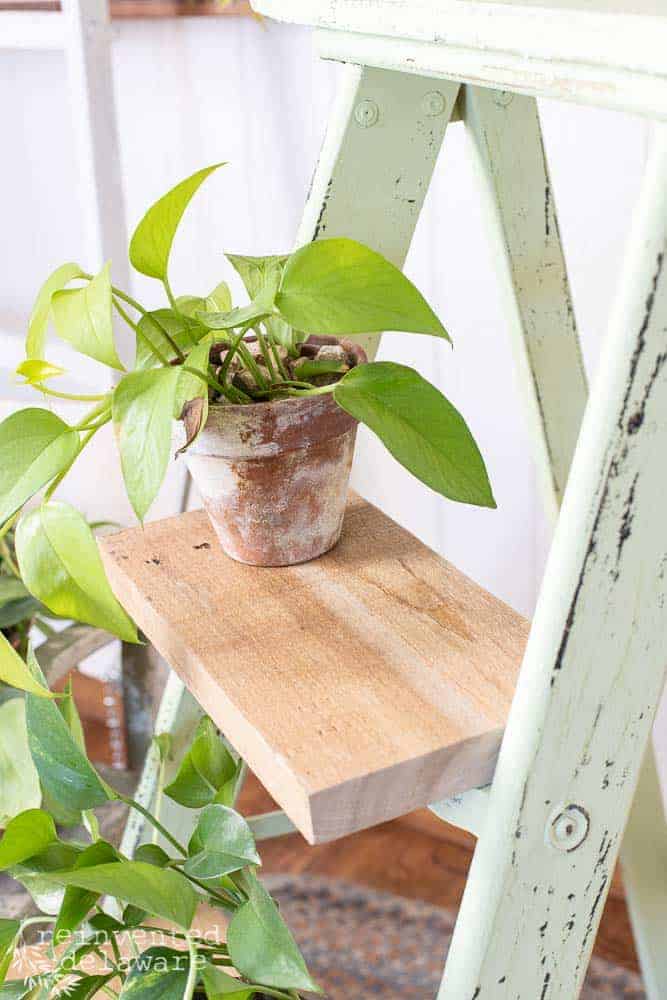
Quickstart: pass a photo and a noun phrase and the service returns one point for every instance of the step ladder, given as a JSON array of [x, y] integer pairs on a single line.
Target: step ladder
[[378, 679]]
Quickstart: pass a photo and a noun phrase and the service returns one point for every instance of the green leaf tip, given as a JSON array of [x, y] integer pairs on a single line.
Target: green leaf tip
[[152, 240]]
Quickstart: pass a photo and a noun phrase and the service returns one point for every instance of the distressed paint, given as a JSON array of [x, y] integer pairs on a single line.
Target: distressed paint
[[371, 179], [468, 811], [508, 153], [594, 667], [557, 51]]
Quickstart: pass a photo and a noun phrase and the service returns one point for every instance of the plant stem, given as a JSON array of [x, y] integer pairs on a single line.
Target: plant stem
[[7, 556], [261, 340], [158, 797], [170, 294], [252, 365], [193, 971], [8, 525], [114, 948], [69, 395], [136, 305], [36, 920], [279, 361], [140, 333], [156, 823], [319, 390], [223, 897]]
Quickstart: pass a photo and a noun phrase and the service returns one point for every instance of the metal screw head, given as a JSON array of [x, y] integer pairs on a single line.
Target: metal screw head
[[433, 104], [568, 828], [503, 98], [366, 113]]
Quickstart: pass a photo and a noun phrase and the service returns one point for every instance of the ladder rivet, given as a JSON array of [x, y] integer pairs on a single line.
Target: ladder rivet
[[433, 104], [366, 113], [568, 828]]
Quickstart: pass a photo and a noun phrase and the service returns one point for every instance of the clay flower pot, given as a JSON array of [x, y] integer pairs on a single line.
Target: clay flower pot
[[274, 476]]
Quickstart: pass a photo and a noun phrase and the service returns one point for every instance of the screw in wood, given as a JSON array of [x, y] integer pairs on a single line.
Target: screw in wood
[[568, 828], [366, 113], [433, 104]]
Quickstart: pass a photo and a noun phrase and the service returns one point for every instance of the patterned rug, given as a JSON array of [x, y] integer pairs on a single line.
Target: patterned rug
[[361, 943]]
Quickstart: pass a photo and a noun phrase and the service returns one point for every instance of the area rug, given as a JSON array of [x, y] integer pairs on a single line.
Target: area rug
[[359, 943]]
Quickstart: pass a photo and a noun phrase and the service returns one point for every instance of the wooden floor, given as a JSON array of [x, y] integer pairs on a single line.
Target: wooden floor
[[419, 857]]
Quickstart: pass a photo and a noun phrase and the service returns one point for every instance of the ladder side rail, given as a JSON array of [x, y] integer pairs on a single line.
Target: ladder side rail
[[593, 671], [376, 162]]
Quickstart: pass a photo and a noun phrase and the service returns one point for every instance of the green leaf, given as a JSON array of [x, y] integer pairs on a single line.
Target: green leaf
[[86, 987], [77, 903], [222, 843], [179, 329], [190, 387], [15, 612], [420, 428], [151, 242], [341, 287], [260, 944], [220, 299], [61, 565], [17, 989], [308, 368], [34, 873], [19, 782], [258, 273], [218, 984], [162, 892], [35, 445], [64, 770], [143, 406], [11, 589], [15, 672], [35, 371], [83, 318], [256, 310], [206, 768], [152, 854], [159, 973], [34, 346], [9, 932], [25, 836]]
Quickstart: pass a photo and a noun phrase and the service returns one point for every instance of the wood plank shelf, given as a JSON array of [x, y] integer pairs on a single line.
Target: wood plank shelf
[[358, 687]]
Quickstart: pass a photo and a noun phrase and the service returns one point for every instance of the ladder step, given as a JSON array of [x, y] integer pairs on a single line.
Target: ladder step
[[360, 686]]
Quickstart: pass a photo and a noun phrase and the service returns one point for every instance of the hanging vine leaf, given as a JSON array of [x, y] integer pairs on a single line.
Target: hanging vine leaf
[[83, 318], [151, 242], [34, 345]]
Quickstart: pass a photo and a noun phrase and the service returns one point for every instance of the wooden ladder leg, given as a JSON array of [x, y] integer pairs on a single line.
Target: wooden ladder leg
[[593, 671], [644, 863], [377, 159]]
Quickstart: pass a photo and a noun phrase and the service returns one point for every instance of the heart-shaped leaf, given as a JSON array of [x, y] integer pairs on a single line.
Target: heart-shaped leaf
[[218, 985], [77, 902], [17, 612], [258, 273], [261, 945], [83, 318], [222, 843], [35, 445], [33, 874], [19, 782], [159, 973], [15, 672], [65, 773], [26, 835], [420, 428], [143, 407], [342, 287], [9, 932], [206, 769], [189, 386], [151, 241], [220, 299], [34, 346], [162, 892], [61, 565], [11, 589]]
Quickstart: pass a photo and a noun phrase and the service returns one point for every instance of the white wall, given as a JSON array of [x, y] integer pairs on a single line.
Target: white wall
[[193, 91]]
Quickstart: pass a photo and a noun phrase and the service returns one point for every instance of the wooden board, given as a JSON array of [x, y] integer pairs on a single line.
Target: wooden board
[[358, 687]]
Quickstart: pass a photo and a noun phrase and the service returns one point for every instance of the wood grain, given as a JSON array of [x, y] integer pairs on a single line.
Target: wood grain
[[358, 687]]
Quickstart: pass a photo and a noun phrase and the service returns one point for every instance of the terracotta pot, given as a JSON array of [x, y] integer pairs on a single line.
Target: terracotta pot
[[274, 476]]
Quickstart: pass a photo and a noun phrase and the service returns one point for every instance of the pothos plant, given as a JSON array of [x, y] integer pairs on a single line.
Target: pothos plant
[[198, 351], [75, 884]]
